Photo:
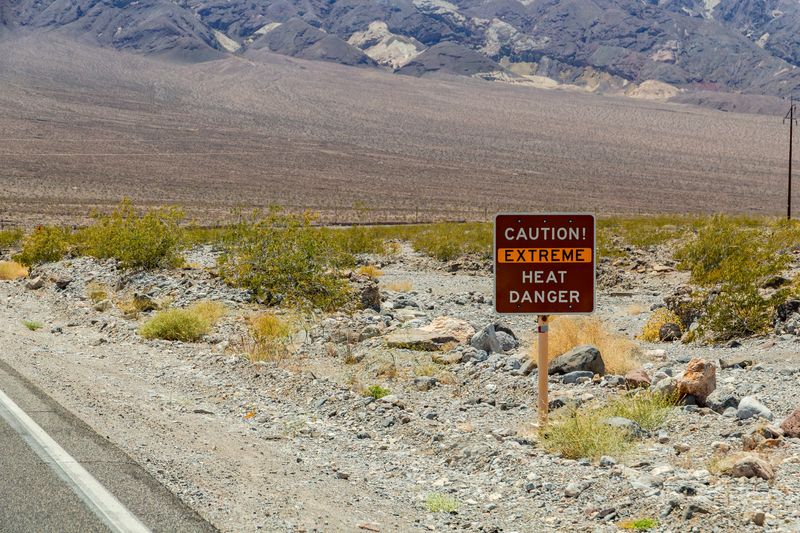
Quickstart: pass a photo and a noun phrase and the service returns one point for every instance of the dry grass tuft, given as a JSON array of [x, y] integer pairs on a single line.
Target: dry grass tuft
[[399, 286], [370, 271], [659, 318], [209, 311], [619, 353], [11, 270], [270, 337]]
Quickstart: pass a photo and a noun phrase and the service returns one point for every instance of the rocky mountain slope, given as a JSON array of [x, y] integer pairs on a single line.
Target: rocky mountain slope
[[729, 46]]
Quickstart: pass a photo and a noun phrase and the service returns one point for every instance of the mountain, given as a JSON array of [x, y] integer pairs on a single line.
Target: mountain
[[730, 47]]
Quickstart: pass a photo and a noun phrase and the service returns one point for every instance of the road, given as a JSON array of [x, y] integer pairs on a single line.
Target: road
[[66, 478]]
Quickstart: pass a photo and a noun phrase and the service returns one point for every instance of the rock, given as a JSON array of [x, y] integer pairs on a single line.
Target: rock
[[750, 466], [750, 407], [763, 437], [585, 357], [425, 383], [669, 332], [720, 400], [62, 283], [637, 378], [528, 367], [573, 377], [417, 339], [612, 380], [103, 305], [666, 387], [460, 330], [486, 340], [758, 518], [574, 489], [35, 284], [507, 342], [370, 331], [736, 361], [606, 461], [370, 296], [447, 358], [791, 425], [699, 380], [625, 423], [406, 314]]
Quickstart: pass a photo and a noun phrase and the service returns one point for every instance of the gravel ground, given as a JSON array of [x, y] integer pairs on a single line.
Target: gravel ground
[[295, 446]]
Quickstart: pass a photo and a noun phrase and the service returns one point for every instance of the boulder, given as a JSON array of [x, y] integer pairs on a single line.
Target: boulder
[[574, 377], [35, 283], [637, 378], [370, 296], [627, 424], [763, 437], [486, 340], [453, 327], [585, 357], [507, 342], [669, 332], [417, 339], [719, 400], [666, 387], [699, 380], [750, 466], [736, 361], [447, 358], [424, 383], [750, 407], [791, 425]]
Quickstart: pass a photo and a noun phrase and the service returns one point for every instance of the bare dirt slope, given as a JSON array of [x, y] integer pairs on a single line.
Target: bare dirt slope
[[84, 126]]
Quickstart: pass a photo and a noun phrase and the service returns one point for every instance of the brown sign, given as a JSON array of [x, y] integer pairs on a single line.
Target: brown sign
[[544, 264]]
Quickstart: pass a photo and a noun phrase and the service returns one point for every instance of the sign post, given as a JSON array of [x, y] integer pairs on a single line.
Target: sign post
[[544, 265]]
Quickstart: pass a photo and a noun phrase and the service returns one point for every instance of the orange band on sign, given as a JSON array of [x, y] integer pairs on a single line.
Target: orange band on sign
[[544, 255]]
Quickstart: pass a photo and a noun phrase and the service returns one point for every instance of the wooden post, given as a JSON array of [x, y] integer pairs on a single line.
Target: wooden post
[[542, 369]]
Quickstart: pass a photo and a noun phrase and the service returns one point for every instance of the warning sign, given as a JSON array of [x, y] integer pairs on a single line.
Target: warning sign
[[544, 264]]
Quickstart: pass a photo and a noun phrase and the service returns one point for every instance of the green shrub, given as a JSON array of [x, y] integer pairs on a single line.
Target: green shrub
[[45, 244], [446, 241], [437, 502], [648, 409], [149, 240], [377, 392], [10, 237], [270, 337], [284, 256], [32, 325], [581, 433], [186, 325], [639, 524]]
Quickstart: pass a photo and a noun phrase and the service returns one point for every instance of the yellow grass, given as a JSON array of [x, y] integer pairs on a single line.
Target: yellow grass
[[399, 286], [370, 271], [270, 336], [11, 270], [208, 311], [619, 353], [660, 316]]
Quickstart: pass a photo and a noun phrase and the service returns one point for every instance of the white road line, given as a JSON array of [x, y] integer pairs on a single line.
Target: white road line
[[104, 504]]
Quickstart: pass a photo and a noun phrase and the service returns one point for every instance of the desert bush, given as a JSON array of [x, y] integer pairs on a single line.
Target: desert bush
[[399, 286], [437, 502], [149, 240], [208, 310], [660, 317], [619, 353], [45, 244], [448, 240], [639, 524], [648, 409], [186, 325], [270, 336], [377, 392], [370, 271], [282, 257], [577, 433], [734, 257], [10, 237], [11, 270]]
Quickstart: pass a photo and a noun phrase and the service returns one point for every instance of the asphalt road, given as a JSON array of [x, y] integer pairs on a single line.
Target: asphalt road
[[35, 497]]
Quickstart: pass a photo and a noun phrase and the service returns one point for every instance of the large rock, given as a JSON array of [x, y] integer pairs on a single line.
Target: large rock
[[496, 337], [371, 296], [699, 380], [791, 426], [666, 387], [750, 407], [417, 339], [585, 357], [637, 378], [752, 465], [719, 400], [454, 327]]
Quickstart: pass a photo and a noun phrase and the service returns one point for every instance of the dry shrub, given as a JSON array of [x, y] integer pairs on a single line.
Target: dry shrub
[[270, 337], [619, 353], [11, 270], [209, 311], [659, 318], [399, 286], [186, 325], [581, 433], [370, 271]]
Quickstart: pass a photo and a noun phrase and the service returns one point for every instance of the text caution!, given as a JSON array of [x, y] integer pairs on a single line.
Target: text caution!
[[544, 264]]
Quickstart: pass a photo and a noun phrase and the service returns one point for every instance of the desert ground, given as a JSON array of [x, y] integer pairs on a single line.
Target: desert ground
[[83, 127]]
